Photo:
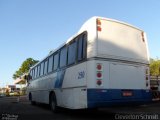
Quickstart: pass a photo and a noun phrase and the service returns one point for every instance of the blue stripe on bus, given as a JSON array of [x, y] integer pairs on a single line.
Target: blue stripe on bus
[[59, 79], [114, 97]]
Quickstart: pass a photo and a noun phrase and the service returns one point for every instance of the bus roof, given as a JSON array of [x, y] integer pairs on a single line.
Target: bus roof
[[107, 19]]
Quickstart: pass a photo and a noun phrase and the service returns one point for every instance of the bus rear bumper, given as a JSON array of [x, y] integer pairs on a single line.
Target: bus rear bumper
[[114, 97]]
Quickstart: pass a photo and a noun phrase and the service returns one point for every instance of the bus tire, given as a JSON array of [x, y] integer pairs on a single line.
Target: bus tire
[[30, 99], [53, 103]]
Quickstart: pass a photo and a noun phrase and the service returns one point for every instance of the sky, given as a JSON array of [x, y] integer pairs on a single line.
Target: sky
[[32, 28]]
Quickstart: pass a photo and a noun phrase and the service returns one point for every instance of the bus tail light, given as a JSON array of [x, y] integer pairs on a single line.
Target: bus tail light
[[147, 84], [143, 36], [147, 71], [99, 25], [99, 66], [147, 77], [98, 22], [99, 74], [99, 28], [99, 82]]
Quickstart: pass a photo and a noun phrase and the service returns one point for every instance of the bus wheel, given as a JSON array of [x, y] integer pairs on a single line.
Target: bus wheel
[[53, 103], [30, 99]]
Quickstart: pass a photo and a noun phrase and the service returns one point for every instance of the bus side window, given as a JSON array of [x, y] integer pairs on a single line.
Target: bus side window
[[30, 77], [50, 64], [56, 61], [45, 66], [63, 57], [82, 47], [30, 74], [38, 70], [33, 73], [72, 53], [42, 67]]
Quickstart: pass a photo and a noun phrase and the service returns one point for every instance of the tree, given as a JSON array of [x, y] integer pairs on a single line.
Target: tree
[[154, 67], [29, 62]]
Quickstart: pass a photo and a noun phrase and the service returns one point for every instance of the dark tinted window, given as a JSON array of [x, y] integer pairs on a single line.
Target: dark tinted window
[[72, 53], [50, 64], [82, 47], [56, 61], [32, 73], [63, 57], [38, 70], [80, 41], [45, 66], [35, 73], [42, 68]]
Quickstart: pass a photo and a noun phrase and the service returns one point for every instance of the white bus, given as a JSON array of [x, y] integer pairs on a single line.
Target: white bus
[[104, 64]]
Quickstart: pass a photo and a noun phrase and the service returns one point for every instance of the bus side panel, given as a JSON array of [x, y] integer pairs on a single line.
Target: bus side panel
[[64, 97], [40, 96], [80, 98], [73, 94], [41, 87], [75, 76], [73, 98]]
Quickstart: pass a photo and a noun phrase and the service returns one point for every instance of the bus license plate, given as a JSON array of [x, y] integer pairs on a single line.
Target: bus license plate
[[127, 93]]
